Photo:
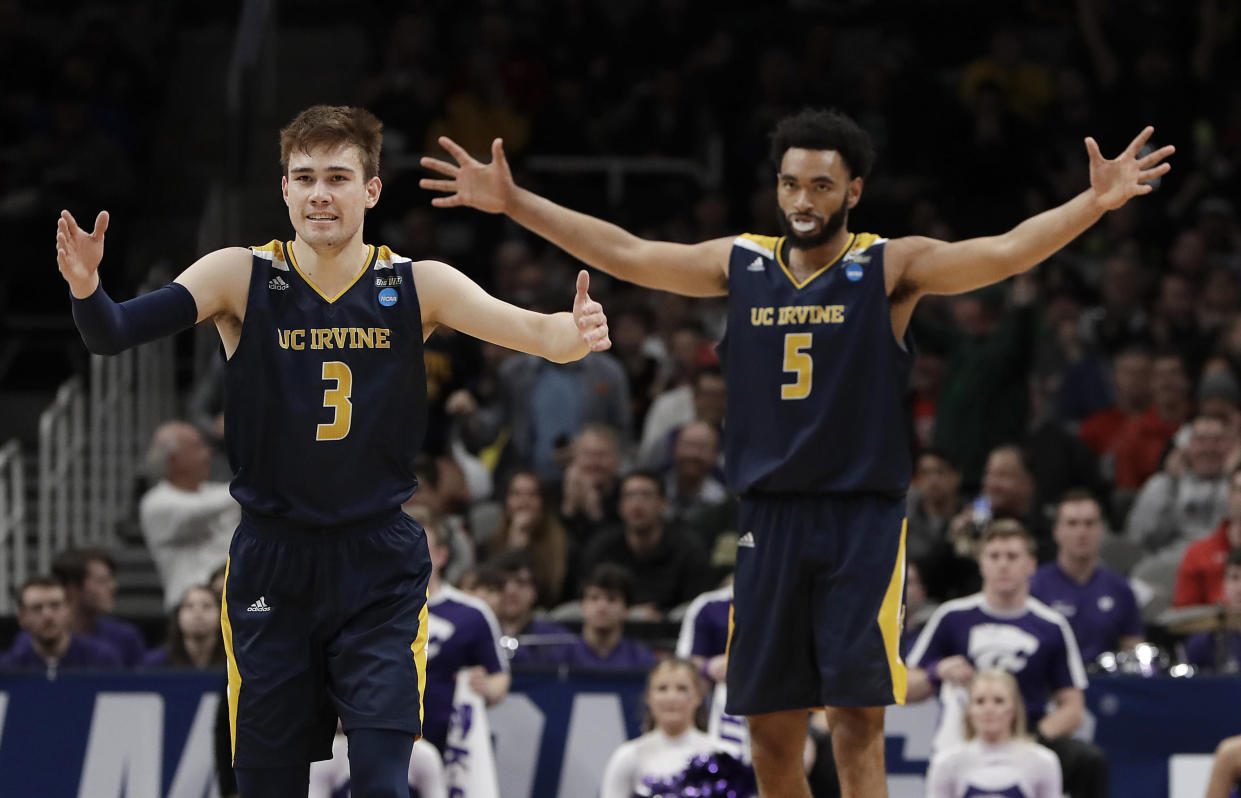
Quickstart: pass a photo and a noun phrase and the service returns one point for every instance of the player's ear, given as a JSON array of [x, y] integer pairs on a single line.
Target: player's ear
[[855, 192], [374, 187], [284, 188]]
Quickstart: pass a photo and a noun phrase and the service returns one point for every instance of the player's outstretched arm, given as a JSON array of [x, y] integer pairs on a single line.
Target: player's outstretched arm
[[107, 327], [926, 266], [688, 269], [450, 298]]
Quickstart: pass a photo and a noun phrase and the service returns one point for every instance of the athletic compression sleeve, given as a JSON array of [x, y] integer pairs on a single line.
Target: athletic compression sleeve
[[109, 329]]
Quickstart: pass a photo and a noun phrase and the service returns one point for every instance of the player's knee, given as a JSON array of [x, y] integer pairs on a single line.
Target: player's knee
[[771, 744], [858, 722]]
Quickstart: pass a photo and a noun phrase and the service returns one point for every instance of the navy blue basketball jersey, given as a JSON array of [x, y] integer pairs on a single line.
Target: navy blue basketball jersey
[[326, 396], [816, 379]]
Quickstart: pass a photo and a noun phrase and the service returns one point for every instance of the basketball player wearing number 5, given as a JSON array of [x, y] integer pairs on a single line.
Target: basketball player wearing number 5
[[816, 358], [325, 598]]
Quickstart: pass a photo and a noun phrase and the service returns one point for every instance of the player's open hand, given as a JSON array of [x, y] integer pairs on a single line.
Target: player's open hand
[[1129, 174], [588, 316], [78, 253], [485, 186]]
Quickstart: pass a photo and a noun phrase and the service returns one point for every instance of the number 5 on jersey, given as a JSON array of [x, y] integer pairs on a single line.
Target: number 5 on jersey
[[337, 398], [797, 362]]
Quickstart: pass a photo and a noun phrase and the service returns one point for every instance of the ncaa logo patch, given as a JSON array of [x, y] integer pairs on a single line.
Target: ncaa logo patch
[[853, 271], [387, 297]]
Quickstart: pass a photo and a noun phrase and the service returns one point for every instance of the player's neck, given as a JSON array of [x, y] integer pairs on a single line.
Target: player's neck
[[805, 262], [1079, 569], [326, 264], [434, 584]]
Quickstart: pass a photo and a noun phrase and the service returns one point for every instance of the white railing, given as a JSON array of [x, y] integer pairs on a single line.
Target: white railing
[[62, 508], [91, 444], [13, 563]]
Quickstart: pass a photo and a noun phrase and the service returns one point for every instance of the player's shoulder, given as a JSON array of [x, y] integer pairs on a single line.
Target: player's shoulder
[[862, 242], [759, 244]]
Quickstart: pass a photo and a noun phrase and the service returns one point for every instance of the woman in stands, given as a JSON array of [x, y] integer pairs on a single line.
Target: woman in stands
[[673, 698], [194, 638], [996, 758]]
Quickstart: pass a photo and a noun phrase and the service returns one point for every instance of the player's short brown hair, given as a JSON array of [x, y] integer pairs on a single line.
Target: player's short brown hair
[[332, 126], [1006, 528]]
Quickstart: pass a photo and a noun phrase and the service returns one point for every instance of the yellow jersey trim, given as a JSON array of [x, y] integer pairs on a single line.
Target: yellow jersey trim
[[890, 622], [800, 285], [234, 675], [419, 648], [766, 242], [366, 267]]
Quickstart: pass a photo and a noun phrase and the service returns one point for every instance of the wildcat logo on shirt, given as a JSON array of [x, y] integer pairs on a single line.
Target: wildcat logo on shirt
[[439, 631], [1001, 645]]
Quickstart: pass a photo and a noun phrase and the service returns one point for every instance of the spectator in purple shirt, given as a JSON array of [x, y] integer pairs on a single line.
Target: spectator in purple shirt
[[1220, 651], [90, 588], [462, 633], [50, 644], [1098, 602], [605, 603], [704, 633], [527, 640], [194, 638], [1004, 627]]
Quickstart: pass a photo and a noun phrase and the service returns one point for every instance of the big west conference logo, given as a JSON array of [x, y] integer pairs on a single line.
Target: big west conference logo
[[1000, 645]]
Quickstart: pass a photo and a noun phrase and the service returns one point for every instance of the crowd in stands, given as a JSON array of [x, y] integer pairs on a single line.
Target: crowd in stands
[[1095, 401]]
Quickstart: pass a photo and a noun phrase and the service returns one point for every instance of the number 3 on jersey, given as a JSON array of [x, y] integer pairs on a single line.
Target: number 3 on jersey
[[797, 362], [338, 399]]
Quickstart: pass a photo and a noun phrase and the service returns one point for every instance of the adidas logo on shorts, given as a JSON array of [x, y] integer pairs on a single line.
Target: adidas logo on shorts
[[277, 283], [746, 541], [260, 605]]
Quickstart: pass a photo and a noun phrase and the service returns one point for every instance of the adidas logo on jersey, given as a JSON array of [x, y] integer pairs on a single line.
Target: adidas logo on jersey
[[756, 265], [277, 283], [261, 604], [746, 541]]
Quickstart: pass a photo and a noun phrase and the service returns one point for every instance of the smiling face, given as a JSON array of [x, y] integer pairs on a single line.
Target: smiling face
[[673, 697], [815, 192], [327, 195], [992, 709]]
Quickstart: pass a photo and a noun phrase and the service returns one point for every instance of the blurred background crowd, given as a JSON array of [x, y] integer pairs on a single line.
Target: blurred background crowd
[[1114, 367]]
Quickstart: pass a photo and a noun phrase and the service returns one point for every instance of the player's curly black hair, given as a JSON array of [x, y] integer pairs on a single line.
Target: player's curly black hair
[[819, 129]]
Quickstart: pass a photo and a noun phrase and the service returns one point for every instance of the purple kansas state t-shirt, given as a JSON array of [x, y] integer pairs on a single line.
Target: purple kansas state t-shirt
[[1101, 611], [461, 632], [1035, 644], [627, 654], [704, 630]]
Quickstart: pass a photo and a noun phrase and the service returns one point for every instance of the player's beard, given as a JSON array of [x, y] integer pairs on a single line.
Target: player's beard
[[830, 228]]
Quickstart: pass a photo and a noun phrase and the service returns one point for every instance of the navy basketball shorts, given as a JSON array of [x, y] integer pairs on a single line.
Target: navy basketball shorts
[[818, 603], [321, 623]]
